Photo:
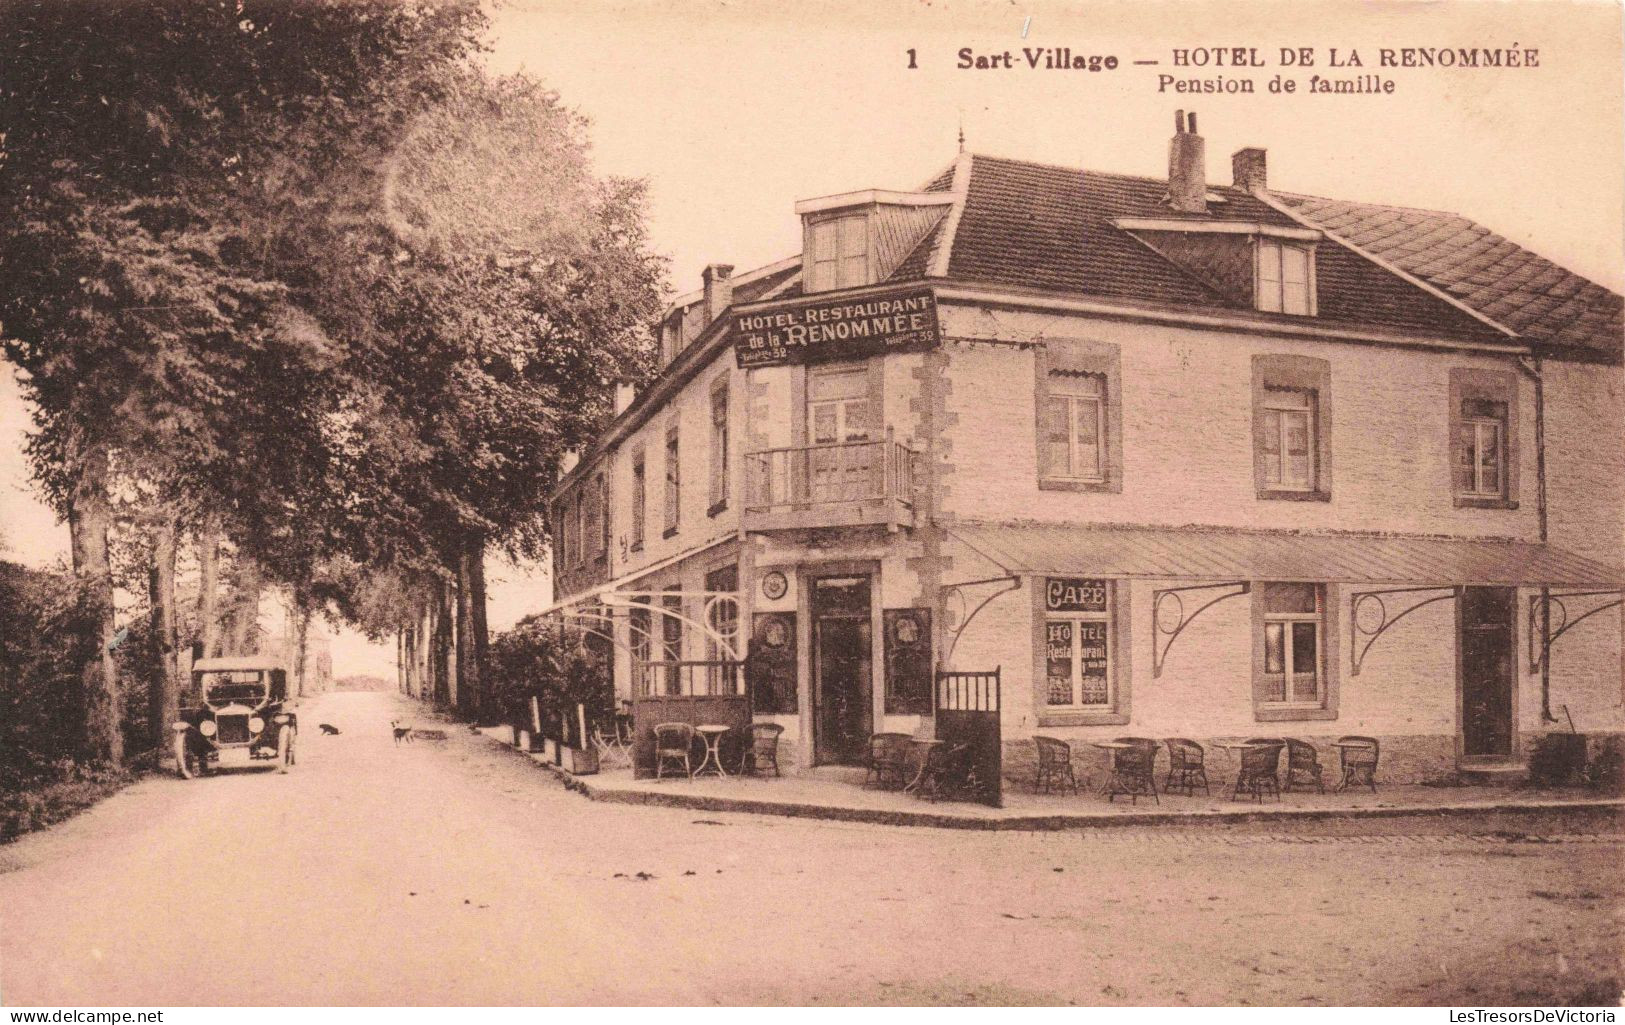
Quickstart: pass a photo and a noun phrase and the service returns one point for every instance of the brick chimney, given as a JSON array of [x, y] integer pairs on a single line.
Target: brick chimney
[[719, 289], [1187, 171], [1247, 169]]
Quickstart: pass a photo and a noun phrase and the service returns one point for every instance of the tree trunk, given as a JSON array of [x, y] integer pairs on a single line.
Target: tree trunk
[[442, 648], [163, 700], [482, 631], [245, 620], [208, 586], [468, 670], [425, 646], [89, 518], [301, 641]]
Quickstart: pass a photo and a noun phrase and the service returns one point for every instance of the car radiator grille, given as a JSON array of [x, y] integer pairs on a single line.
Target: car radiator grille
[[233, 729]]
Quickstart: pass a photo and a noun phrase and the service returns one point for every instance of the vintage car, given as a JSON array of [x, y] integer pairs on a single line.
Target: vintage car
[[241, 717]]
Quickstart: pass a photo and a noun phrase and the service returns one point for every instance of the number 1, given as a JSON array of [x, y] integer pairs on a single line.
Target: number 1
[[911, 61]]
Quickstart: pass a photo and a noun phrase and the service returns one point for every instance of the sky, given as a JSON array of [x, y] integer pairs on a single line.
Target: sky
[[732, 112]]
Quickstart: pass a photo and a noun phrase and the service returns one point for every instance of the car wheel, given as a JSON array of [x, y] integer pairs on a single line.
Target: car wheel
[[284, 749], [181, 756]]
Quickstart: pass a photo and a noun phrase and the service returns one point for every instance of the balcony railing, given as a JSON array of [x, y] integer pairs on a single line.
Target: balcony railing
[[846, 484]]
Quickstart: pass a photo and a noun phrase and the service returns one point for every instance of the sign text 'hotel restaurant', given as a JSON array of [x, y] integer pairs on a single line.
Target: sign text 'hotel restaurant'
[[835, 329]]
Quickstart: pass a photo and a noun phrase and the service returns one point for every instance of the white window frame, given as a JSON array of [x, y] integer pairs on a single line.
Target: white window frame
[[1076, 401], [1076, 618], [1270, 287], [1275, 401], [1476, 446], [1285, 621], [845, 266]]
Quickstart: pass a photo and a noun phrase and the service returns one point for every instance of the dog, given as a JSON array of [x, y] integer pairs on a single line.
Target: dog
[[329, 730], [401, 732]]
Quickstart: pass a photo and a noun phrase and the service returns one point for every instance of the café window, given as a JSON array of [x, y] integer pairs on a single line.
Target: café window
[[1292, 671], [1074, 427], [1285, 278], [1078, 645], [840, 253]]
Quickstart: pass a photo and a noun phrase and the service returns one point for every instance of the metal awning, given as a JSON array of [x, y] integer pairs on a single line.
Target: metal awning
[[1209, 553]]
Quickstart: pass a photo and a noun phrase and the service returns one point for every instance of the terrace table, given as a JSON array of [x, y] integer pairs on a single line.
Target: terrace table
[[712, 734], [925, 746], [1354, 775]]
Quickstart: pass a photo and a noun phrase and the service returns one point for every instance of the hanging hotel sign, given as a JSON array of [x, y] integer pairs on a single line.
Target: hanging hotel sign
[[850, 327]]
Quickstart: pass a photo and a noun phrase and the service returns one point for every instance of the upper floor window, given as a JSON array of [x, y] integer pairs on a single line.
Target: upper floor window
[[1481, 448], [674, 482], [579, 524], [602, 503], [1292, 426], [561, 533], [840, 253], [1286, 444], [1285, 278], [1074, 427], [719, 447], [640, 498], [1483, 438]]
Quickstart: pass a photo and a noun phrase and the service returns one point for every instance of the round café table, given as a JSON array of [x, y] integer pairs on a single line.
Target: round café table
[[712, 734], [924, 745]]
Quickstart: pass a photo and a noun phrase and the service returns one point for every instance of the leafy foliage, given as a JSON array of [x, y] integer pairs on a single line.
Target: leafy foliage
[[535, 659]]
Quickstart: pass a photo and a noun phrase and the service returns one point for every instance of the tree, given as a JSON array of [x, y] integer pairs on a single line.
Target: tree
[[156, 163]]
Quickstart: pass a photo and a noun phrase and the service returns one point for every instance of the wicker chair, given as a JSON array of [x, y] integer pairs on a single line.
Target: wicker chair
[[1302, 766], [1134, 770], [762, 752], [1359, 758], [673, 742], [1187, 767], [1260, 761], [888, 760], [1054, 765]]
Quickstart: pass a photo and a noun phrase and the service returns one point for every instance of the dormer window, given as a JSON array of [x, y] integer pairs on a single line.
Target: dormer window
[[1285, 277], [840, 253]]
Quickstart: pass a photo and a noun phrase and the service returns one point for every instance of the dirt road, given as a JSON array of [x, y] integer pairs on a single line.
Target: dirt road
[[459, 873]]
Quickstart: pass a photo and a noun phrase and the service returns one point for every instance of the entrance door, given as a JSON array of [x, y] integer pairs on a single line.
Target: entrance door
[[842, 669], [1486, 671]]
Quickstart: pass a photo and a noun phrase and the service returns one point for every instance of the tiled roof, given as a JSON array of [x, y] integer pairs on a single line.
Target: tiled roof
[[1499, 279], [1042, 226]]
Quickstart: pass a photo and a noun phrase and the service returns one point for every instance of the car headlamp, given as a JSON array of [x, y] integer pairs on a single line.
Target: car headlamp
[[256, 724], [207, 727]]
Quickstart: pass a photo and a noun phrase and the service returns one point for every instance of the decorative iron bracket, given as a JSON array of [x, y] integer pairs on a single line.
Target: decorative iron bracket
[[1168, 617], [1548, 636], [953, 642], [1369, 618]]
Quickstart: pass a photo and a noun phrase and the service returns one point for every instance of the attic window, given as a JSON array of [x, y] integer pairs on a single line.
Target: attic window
[[1285, 278], [840, 253]]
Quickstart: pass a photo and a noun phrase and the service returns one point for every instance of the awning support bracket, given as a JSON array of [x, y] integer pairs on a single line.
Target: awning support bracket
[[1543, 653], [1375, 620], [1169, 619], [953, 642]]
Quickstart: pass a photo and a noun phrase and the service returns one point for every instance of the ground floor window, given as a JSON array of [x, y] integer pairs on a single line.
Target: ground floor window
[[1294, 663], [1078, 644]]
